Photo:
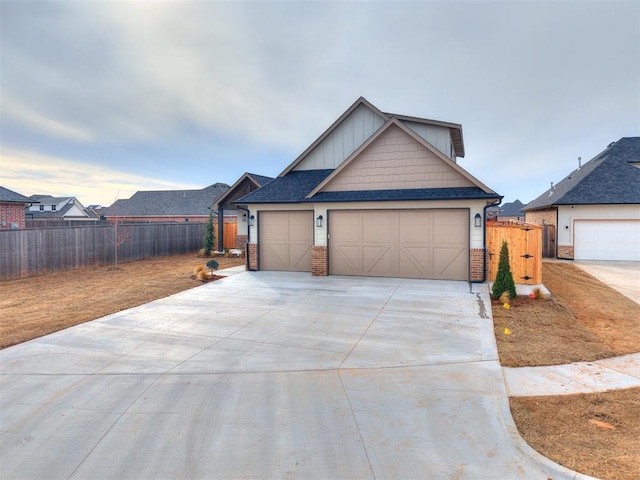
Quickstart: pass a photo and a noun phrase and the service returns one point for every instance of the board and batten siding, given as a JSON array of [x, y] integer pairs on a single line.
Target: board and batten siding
[[344, 140], [439, 137]]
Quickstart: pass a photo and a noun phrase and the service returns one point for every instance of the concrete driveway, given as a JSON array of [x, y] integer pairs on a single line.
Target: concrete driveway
[[621, 276], [270, 375]]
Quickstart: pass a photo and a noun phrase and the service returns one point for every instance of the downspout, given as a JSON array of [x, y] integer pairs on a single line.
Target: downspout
[[248, 239], [484, 237]]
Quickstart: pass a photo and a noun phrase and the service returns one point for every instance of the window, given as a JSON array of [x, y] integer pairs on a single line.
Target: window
[[53, 208], [42, 208]]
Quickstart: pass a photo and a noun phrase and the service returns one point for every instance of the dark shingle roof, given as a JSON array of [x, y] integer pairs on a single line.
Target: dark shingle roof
[[291, 188], [260, 179], [296, 185], [453, 193], [168, 202], [512, 209], [608, 178], [9, 196]]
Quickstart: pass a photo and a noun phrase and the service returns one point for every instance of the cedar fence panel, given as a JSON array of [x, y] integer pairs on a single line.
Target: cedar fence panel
[[34, 252], [230, 230], [525, 251]]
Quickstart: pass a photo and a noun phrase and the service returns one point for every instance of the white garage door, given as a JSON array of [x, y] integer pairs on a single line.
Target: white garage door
[[285, 240], [400, 243], [607, 240]]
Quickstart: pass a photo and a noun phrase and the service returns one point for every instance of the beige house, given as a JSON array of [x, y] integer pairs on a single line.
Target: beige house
[[595, 210], [377, 194]]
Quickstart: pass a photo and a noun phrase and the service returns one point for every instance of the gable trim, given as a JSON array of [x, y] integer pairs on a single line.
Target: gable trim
[[395, 121], [328, 131]]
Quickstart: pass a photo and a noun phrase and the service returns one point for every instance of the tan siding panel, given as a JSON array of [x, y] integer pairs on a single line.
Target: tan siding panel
[[396, 161]]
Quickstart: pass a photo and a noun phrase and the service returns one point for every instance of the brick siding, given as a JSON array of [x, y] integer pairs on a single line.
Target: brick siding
[[565, 252], [11, 213], [476, 267], [542, 217], [253, 256], [319, 265]]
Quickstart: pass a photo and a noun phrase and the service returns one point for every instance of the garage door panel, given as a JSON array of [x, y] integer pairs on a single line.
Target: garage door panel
[[415, 262], [607, 240], [285, 240], [449, 262], [405, 243]]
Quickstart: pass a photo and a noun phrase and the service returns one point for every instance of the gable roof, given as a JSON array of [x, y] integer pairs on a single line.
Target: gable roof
[[454, 129], [511, 209], [9, 196], [292, 188], [247, 183], [168, 202], [608, 178], [390, 122], [332, 127]]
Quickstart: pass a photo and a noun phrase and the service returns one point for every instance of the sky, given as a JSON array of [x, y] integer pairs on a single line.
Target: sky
[[100, 99]]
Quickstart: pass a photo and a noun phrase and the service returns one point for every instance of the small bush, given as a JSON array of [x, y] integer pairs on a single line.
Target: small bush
[[198, 269], [212, 265], [504, 278], [202, 275]]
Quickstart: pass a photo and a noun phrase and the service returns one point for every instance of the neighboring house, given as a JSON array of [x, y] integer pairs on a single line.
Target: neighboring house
[[246, 184], [167, 205], [506, 213], [596, 208], [377, 194], [12, 206], [57, 208]]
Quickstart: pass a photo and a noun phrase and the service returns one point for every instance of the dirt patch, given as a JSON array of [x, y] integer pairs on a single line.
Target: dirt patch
[[597, 434], [584, 320], [36, 306]]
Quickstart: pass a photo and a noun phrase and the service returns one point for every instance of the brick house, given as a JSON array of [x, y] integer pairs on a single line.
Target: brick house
[[12, 209]]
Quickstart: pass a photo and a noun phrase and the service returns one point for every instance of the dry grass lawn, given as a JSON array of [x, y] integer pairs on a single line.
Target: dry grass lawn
[[36, 306], [584, 320]]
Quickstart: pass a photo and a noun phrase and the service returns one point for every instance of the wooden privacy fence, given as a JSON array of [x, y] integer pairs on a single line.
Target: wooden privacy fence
[[525, 251], [33, 252]]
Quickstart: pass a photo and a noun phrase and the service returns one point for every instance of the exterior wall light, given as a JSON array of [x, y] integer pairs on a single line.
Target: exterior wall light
[[252, 219], [319, 221], [478, 220], [244, 217]]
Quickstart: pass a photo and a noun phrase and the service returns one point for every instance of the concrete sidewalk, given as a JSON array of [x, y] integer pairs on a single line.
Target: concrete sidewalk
[[270, 375], [585, 377]]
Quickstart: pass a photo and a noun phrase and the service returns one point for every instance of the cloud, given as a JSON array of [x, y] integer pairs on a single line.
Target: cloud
[[29, 173]]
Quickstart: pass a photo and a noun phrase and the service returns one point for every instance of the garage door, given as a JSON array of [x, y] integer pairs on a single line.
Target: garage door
[[400, 243], [285, 240], [607, 240]]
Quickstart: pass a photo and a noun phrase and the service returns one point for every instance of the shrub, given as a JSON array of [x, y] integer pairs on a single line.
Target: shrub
[[212, 265], [209, 236], [504, 278], [198, 269], [202, 275]]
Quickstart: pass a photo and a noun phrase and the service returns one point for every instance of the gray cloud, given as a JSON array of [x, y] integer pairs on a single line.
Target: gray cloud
[[129, 84]]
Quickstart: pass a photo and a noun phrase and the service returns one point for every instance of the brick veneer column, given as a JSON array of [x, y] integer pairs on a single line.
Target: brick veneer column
[[253, 256], [476, 258], [319, 265], [565, 252]]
